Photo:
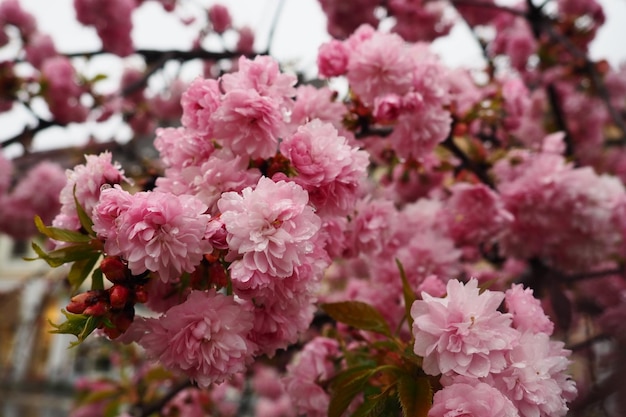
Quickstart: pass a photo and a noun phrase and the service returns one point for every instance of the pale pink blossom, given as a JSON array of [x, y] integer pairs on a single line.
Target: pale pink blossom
[[85, 181], [371, 229], [332, 59], [264, 76], [155, 231], [535, 378], [220, 18], [205, 337], [221, 172], [528, 315], [271, 226], [417, 134], [475, 400], [326, 166], [180, 147], [317, 103], [248, 123], [380, 65], [463, 333], [313, 365]]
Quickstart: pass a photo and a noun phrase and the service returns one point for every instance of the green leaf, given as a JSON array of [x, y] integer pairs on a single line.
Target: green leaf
[[78, 325], [415, 395], [60, 234], [409, 294], [97, 283], [345, 386], [85, 220], [358, 315], [80, 270], [65, 254], [382, 405]]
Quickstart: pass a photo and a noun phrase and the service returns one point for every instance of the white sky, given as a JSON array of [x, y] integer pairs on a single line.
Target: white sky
[[300, 31]]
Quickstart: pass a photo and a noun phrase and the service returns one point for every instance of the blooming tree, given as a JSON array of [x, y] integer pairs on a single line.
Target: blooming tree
[[433, 243]]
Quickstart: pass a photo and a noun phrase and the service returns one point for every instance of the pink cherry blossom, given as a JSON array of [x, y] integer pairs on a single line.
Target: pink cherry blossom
[[477, 400], [271, 226], [327, 167], [100, 13], [205, 337], [528, 315], [199, 102], [475, 214], [63, 91], [248, 123], [463, 333], [85, 181], [332, 59], [155, 231], [179, 147], [39, 48], [380, 65], [312, 365], [36, 194], [535, 378]]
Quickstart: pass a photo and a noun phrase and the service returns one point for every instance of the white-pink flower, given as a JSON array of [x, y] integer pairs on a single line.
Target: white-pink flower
[[463, 333], [471, 400], [205, 337], [271, 226]]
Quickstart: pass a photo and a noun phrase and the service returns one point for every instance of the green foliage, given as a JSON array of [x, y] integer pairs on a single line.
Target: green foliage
[[358, 315], [79, 325]]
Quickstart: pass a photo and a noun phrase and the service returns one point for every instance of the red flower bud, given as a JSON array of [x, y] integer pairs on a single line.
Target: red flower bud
[[80, 302], [119, 296], [141, 296], [97, 310], [114, 269]]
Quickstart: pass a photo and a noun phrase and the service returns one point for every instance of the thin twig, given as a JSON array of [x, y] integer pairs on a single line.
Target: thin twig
[[275, 18], [146, 410]]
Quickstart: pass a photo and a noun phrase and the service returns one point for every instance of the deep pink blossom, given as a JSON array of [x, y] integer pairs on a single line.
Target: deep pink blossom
[[6, 170], [205, 337], [417, 134], [62, 91], [100, 13], [245, 44], [463, 333], [220, 18], [314, 364], [476, 400], [39, 48]]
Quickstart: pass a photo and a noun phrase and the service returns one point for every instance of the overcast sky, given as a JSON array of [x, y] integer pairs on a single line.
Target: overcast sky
[[300, 31]]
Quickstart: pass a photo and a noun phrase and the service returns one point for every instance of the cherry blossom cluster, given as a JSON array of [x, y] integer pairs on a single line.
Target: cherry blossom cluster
[[476, 348]]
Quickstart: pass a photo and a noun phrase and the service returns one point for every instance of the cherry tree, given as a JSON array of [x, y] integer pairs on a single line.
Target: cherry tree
[[433, 242]]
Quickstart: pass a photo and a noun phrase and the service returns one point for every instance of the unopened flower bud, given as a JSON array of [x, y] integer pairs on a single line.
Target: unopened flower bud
[[119, 296], [80, 302], [114, 269], [97, 310], [141, 296]]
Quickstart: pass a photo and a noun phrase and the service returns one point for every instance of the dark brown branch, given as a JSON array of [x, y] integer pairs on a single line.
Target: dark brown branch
[[595, 274], [147, 409], [468, 163], [485, 5]]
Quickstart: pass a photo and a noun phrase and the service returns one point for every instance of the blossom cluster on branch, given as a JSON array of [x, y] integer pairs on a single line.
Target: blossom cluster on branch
[[430, 244]]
